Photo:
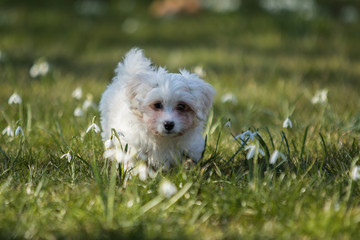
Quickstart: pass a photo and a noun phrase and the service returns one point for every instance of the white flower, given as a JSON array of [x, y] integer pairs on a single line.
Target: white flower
[[88, 102], [77, 93], [28, 189], [41, 68], [116, 154], [229, 97], [141, 171], [15, 99], [199, 70], [355, 173], [8, 131], [19, 131], [130, 203], [67, 156], [251, 151], [287, 123], [275, 155], [93, 126], [248, 135], [109, 144], [167, 188], [228, 124], [320, 97], [78, 112], [113, 154]]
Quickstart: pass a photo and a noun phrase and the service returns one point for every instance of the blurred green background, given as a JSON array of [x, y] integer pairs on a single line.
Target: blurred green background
[[245, 48]]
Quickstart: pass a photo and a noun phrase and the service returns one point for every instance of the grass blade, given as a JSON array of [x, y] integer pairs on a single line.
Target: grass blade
[[303, 143], [111, 194]]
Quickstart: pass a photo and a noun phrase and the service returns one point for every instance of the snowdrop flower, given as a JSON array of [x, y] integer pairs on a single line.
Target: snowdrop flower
[[227, 124], [116, 154], [287, 123], [167, 188], [77, 93], [248, 135], [28, 189], [15, 99], [67, 156], [40, 68], [355, 173], [229, 97], [8, 131], [19, 131], [78, 112], [88, 102], [109, 144], [199, 70], [251, 151], [275, 155], [320, 97], [141, 171], [130, 203], [93, 126]]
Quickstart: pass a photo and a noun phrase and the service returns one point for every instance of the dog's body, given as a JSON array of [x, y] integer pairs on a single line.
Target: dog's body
[[158, 115]]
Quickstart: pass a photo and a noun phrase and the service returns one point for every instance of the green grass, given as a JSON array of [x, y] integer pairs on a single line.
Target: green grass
[[273, 65]]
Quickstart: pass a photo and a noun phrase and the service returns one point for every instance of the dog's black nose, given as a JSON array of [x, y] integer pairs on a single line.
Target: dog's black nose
[[169, 125]]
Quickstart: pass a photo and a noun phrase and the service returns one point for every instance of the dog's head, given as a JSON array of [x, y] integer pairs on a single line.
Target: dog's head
[[169, 104]]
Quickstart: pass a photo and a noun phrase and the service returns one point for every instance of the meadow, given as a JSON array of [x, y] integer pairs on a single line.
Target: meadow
[[286, 84]]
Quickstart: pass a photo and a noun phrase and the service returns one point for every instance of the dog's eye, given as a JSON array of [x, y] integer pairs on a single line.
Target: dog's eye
[[181, 107], [158, 105]]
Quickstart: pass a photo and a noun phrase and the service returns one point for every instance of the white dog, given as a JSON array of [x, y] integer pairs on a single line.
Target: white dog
[[150, 114]]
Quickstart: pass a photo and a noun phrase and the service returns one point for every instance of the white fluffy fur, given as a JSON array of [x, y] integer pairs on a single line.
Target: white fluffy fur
[[128, 106]]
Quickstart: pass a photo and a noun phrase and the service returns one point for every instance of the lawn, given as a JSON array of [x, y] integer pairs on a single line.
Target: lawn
[[266, 67]]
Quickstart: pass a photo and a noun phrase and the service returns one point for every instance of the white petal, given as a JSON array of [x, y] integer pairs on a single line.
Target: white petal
[[141, 171], [77, 93], [274, 156], [199, 70], [261, 152], [251, 151], [87, 104], [78, 112], [8, 131], [355, 173], [109, 144], [66, 155], [167, 189], [15, 99], [93, 126], [287, 123], [110, 153], [39, 69], [320, 97], [19, 131], [229, 97]]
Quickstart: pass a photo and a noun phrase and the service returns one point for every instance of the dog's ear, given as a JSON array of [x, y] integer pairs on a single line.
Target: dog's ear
[[203, 93], [136, 90], [131, 75]]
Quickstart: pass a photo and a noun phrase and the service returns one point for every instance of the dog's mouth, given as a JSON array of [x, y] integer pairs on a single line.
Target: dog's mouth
[[167, 133]]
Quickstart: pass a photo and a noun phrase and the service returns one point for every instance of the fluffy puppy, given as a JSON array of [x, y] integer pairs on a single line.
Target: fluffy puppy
[[148, 113]]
